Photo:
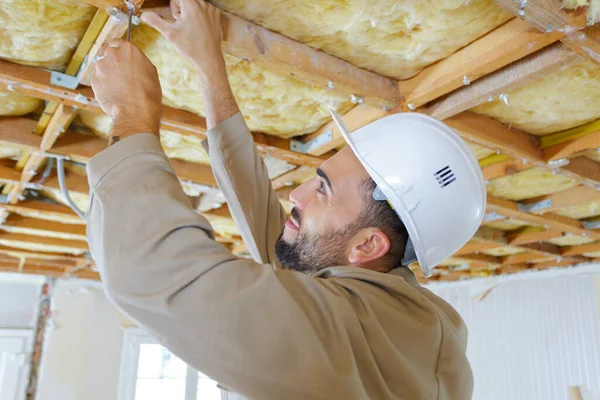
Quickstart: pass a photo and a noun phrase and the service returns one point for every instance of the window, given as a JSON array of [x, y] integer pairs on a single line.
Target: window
[[151, 372]]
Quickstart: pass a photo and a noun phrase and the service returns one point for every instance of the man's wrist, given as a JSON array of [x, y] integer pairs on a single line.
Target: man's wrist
[[124, 126]]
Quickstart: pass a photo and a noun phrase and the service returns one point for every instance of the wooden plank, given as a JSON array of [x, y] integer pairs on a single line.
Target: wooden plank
[[571, 142], [33, 254], [510, 209], [35, 82], [582, 169], [500, 47], [354, 119], [18, 221], [545, 15], [566, 198], [473, 248], [513, 76], [565, 262], [41, 240], [504, 168], [289, 178], [521, 238], [523, 258], [490, 133], [585, 43], [584, 248], [280, 54], [113, 28], [41, 208]]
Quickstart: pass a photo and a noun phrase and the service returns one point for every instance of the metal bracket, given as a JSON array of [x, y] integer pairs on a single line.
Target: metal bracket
[[304, 148], [537, 206], [492, 216], [591, 224], [63, 80]]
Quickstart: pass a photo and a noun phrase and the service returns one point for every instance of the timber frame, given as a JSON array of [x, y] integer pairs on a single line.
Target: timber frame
[[542, 40]]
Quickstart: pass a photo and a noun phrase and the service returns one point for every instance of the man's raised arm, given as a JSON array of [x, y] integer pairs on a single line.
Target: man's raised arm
[[236, 164]]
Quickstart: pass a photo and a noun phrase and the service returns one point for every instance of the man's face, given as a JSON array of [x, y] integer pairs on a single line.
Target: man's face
[[316, 235]]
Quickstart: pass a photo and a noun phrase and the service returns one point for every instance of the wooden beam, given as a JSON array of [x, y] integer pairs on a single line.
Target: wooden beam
[[524, 258], [500, 47], [586, 43], [289, 178], [571, 142], [566, 198], [329, 136], [34, 224], [511, 77], [549, 221], [7, 238], [565, 262], [584, 248], [36, 82], [474, 248], [280, 54], [58, 123], [521, 238], [492, 134], [504, 168], [43, 209], [583, 170], [545, 15]]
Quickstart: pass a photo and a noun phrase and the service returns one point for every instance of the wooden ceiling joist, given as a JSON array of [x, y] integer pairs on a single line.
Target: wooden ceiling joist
[[36, 82], [246, 40], [328, 137], [545, 15], [511, 209], [7, 238], [496, 84], [44, 227], [44, 209], [566, 198], [522, 238], [581, 249], [571, 142], [500, 47]]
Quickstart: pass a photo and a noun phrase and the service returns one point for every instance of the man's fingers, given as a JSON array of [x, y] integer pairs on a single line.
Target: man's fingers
[[188, 6], [155, 21], [175, 8]]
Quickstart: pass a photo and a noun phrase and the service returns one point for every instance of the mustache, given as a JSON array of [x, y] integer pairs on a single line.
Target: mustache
[[296, 216]]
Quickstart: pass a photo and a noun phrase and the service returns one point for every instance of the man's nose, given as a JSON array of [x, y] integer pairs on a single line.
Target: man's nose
[[302, 195]]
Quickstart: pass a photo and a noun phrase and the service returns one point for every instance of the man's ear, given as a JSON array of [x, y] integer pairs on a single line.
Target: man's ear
[[368, 245]]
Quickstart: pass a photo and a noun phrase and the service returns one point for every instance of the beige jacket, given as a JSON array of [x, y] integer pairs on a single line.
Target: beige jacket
[[264, 332]]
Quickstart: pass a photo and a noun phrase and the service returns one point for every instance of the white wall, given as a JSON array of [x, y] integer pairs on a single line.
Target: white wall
[[19, 301], [82, 351], [532, 336]]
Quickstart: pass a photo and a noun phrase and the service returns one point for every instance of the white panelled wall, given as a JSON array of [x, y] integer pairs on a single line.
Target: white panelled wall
[[531, 337]]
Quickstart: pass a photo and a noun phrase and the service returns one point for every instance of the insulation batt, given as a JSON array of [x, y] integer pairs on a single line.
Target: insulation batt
[[396, 38], [570, 240], [17, 104], [271, 103], [559, 101], [41, 247], [585, 210], [42, 33], [593, 10], [528, 184]]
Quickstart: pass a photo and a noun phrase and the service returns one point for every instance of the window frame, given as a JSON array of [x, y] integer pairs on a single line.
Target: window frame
[[133, 338]]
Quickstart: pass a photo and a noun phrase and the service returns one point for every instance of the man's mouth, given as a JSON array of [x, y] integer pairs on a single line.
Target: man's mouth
[[291, 224]]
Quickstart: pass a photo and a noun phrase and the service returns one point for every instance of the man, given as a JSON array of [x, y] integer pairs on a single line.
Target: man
[[346, 320]]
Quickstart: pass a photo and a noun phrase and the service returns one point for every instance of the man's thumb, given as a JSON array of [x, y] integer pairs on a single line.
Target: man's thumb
[[155, 21]]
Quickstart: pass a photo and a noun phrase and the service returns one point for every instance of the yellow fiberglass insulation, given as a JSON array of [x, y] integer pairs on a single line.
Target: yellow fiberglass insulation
[[570, 240], [271, 103], [585, 210], [527, 184], [16, 104], [396, 38], [506, 224], [187, 148], [559, 101], [42, 33], [480, 152], [41, 247], [9, 152], [593, 10], [503, 251]]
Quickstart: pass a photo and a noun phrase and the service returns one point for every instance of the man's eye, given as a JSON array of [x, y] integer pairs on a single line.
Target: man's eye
[[321, 187]]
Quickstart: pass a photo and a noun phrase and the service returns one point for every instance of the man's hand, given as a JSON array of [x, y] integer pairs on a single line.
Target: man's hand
[[196, 33], [127, 87]]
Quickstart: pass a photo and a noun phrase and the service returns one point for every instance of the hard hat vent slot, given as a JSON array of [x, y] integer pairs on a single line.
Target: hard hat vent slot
[[445, 176]]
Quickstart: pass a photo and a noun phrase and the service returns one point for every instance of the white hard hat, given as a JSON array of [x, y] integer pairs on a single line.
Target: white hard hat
[[428, 175]]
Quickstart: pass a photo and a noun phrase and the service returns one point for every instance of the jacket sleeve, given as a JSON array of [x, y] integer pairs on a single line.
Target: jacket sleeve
[[244, 181], [257, 330]]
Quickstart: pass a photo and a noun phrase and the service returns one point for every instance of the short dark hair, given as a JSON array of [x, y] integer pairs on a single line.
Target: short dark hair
[[379, 214]]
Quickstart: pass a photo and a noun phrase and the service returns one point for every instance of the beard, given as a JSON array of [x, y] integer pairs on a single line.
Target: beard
[[310, 253]]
